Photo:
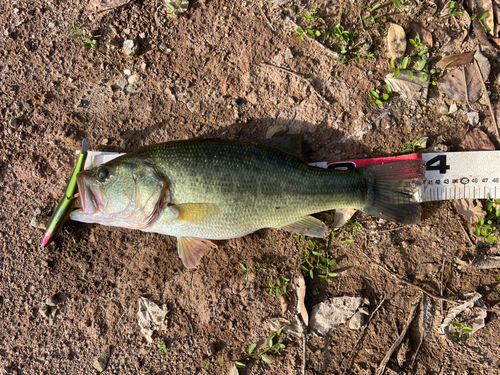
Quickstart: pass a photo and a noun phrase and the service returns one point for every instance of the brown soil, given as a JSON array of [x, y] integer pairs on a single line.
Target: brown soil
[[201, 76]]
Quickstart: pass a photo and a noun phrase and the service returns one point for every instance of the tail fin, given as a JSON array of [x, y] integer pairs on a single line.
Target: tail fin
[[390, 189]]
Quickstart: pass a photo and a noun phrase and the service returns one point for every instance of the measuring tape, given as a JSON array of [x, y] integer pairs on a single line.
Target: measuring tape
[[449, 175]]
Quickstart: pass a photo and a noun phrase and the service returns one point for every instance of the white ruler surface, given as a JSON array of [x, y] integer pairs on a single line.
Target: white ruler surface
[[449, 175]]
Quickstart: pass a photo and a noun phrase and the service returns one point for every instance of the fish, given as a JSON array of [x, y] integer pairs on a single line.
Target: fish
[[204, 190]]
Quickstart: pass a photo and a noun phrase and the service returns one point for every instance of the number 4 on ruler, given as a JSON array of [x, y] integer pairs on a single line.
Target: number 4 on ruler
[[438, 163]]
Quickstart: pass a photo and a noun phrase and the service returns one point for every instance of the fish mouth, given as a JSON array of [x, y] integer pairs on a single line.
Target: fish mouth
[[89, 197]]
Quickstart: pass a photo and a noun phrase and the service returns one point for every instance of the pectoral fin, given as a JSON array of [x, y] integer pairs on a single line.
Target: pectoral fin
[[194, 212], [191, 250], [309, 226]]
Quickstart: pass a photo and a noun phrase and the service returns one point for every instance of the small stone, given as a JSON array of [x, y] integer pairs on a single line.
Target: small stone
[[27, 46], [276, 130], [143, 66], [211, 349], [130, 47], [405, 244], [126, 31], [443, 109], [127, 72], [357, 321], [439, 148], [105, 141], [133, 79], [122, 82], [163, 46], [130, 89], [101, 362], [142, 35], [473, 118], [52, 301], [14, 123], [453, 109], [52, 25], [44, 311]]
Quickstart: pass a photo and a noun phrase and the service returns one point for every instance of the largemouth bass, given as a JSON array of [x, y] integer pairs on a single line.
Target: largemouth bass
[[204, 190]]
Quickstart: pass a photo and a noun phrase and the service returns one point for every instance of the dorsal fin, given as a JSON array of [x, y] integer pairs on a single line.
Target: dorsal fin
[[291, 144]]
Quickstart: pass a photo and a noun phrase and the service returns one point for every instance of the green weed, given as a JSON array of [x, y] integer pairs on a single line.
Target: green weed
[[161, 345], [89, 40], [413, 147], [463, 329], [272, 347], [281, 283], [487, 226], [206, 366], [494, 96], [247, 268], [372, 15], [380, 99], [352, 226], [403, 6], [174, 8], [315, 261], [480, 19], [455, 9]]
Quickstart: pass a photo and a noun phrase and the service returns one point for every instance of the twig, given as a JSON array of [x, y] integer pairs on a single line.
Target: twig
[[466, 233], [418, 287], [488, 98], [381, 367], [362, 335], [465, 89], [303, 327], [441, 284], [325, 48], [265, 17], [299, 77]]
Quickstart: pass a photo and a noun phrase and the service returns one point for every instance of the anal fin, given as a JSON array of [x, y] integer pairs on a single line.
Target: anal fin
[[191, 250], [309, 226]]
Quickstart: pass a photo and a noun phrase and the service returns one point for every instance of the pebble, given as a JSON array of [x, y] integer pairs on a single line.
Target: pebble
[[27, 46], [101, 362], [130, 47], [133, 79], [405, 244], [127, 72], [122, 82], [211, 349], [142, 35], [130, 89], [14, 123], [44, 311], [276, 130], [52, 25], [453, 108], [443, 109], [52, 301], [143, 66], [473, 118], [105, 141], [357, 321]]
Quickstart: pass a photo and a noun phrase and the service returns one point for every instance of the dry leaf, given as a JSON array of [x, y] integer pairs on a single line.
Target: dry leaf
[[454, 313], [476, 140], [151, 318], [455, 60], [284, 303], [486, 6], [470, 209], [288, 327], [484, 65], [331, 314], [453, 85], [233, 370], [487, 263], [425, 322], [300, 290], [102, 5], [422, 33], [341, 216], [396, 41], [409, 89]]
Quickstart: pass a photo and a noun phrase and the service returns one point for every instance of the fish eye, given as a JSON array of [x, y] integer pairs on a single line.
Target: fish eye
[[103, 174]]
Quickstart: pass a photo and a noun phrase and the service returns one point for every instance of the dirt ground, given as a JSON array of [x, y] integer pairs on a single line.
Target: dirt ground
[[203, 74]]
